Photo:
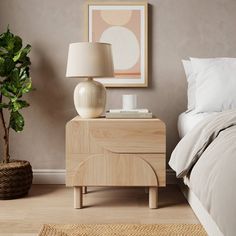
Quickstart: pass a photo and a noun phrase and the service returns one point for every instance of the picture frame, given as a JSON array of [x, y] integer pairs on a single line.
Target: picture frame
[[125, 26]]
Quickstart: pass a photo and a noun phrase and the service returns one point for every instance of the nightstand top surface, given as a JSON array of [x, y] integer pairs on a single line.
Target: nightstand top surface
[[78, 118]]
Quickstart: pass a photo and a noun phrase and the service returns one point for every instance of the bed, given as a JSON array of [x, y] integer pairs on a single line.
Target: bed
[[186, 122], [208, 180], [189, 119], [205, 158]]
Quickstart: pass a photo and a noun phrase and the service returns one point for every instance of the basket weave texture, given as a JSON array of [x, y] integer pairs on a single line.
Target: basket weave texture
[[15, 179]]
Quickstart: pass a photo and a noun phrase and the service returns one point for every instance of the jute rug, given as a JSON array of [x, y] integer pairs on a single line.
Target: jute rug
[[123, 230]]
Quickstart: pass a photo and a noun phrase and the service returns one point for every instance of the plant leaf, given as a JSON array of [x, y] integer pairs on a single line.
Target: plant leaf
[[5, 92], [3, 51], [17, 44], [7, 40], [2, 66], [9, 66], [18, 104], [27, 87], [21, 55], [17, 121], [3, 105]]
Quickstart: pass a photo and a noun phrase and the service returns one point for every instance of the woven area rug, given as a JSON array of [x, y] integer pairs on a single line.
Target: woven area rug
[[122, 230]]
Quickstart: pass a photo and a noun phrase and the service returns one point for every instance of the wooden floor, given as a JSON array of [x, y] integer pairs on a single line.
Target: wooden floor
[[54, 204]]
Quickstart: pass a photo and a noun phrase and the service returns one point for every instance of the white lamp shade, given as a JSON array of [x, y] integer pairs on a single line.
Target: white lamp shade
[[86, 59]]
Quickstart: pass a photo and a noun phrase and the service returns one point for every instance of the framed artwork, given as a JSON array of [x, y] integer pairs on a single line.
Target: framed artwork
[[125, 26]]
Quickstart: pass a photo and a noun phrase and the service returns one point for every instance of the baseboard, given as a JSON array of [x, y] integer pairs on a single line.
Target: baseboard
[[57, 176], [49, 176]]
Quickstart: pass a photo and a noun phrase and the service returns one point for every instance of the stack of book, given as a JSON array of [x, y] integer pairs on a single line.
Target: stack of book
[[128, 114]]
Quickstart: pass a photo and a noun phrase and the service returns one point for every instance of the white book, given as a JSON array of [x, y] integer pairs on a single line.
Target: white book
[[129, 111], [127, 115]]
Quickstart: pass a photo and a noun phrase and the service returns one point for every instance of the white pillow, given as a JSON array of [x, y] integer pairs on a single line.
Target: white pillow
[[191, 79], [215, 84]]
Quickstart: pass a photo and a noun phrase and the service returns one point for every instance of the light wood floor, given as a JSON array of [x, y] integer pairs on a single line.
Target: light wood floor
[[54, 204]]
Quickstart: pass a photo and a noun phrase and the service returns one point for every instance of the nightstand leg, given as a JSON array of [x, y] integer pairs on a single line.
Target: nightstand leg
[[84, 190], [153, 197], [78, 197]]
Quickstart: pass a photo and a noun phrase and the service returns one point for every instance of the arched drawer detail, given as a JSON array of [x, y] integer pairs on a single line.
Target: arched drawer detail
[[115, 170]]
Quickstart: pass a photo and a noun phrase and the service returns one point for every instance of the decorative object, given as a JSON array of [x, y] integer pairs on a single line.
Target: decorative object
[[90, 60], [124, 25], [15, 81], [120, 152], [15, 179], [123, 229], [129, 101]]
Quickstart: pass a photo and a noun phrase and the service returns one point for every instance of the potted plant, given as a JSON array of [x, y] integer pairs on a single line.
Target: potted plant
[[15, 81]]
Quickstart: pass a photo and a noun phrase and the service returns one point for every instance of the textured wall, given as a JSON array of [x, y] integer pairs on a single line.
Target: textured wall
[[178, 28]]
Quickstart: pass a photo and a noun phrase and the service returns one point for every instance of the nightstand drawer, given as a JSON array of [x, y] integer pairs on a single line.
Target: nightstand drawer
[[117, 170], [128, 136]]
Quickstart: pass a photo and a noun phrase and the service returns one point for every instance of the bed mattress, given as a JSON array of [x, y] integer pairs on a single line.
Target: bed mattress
[[188, 120]]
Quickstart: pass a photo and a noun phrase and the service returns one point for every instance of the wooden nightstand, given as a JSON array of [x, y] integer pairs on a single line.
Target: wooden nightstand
[[115, 152]]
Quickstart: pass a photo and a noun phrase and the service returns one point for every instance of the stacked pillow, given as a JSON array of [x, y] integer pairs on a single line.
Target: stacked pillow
[[211, 84]]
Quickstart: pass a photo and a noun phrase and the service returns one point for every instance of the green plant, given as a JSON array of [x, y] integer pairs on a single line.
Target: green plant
[[15, 81]]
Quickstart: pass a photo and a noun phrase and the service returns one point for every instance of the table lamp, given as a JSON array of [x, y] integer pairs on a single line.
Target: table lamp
[[90, 60]]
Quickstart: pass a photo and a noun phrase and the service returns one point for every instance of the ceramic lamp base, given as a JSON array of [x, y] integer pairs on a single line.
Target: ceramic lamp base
[[90, 98]]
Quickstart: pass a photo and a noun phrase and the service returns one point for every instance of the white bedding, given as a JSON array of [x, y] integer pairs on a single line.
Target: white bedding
[[207, 156], [187, 121]]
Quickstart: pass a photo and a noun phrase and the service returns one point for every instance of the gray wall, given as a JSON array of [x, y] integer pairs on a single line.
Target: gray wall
[[178, 28]]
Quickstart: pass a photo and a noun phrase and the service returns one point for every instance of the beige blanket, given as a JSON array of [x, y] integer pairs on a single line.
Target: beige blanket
[[208, 155]]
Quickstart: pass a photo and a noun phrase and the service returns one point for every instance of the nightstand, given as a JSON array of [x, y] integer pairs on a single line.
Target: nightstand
[[115, 152]]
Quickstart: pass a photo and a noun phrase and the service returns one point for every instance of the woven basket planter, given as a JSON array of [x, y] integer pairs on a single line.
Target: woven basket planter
[[15, 179]]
